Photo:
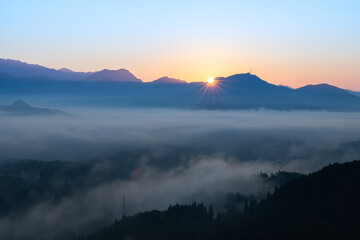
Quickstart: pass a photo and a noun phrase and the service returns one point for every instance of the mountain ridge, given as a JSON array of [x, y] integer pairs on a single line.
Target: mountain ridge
[[20, 108], [167, 80], [121, 88], [106, 75], [21, 69]]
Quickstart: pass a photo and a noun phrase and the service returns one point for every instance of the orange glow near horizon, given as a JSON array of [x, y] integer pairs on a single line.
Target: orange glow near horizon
[[318, 48], [196, 68]]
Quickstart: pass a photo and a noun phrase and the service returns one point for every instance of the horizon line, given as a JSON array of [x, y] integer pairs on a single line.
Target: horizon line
[[167, 76]]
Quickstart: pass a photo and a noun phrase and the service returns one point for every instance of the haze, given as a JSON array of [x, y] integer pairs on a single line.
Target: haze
[[244, 135]]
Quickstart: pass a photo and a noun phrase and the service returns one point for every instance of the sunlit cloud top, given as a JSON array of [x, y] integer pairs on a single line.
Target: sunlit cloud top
[[284, 42]]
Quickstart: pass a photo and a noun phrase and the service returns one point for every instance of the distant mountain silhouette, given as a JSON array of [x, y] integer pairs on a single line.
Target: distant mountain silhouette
[[20, 107], [167, 80], [244, 80], [327, 96], [116, 88], [323, 89], [121, 75], [282, 85], [249, 83], [65, 70], [249, 91], [25, 70]]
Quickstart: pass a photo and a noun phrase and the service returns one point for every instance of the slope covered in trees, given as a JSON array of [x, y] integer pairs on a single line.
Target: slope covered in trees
[[321, 205]]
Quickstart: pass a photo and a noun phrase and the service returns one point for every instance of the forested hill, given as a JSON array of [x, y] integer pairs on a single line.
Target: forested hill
[[321, 205]]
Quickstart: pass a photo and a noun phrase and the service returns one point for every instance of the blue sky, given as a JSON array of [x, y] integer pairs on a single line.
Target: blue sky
[[288, 42]]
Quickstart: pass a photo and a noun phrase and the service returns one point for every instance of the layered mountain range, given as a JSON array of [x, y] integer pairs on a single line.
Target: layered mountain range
[[120, 88]]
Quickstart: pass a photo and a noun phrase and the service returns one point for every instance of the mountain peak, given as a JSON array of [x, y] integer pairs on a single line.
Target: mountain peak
[[19, 107], [323, 87], [245, 77], [20, 69], [167, 80], [19, 103], [120, 75], [244, 80], [65, 70]]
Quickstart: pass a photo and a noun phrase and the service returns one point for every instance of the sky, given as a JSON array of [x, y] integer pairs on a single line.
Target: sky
[[292, 43]]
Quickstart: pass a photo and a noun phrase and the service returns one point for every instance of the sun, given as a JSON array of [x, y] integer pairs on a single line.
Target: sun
[[211, 80]]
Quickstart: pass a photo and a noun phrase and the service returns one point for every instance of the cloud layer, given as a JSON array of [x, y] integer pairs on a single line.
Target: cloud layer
[[181, 156]]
